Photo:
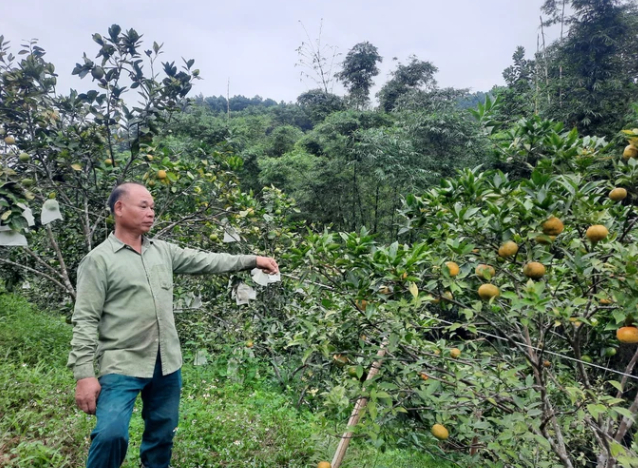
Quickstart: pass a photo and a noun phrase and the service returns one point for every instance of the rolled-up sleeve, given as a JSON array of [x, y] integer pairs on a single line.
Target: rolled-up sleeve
[[91, 293], [194, 262]]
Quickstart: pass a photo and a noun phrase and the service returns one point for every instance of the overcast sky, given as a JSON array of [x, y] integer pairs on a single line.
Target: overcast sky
[[253, 43]]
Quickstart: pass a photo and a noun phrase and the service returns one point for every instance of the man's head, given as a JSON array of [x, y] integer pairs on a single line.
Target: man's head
[[132, 207]]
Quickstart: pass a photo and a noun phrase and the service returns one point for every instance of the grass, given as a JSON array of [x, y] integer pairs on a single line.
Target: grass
[[222, 424]]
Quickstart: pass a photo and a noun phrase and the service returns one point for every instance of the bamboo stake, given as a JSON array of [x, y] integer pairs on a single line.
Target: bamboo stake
[[356, 413], [545, 60]]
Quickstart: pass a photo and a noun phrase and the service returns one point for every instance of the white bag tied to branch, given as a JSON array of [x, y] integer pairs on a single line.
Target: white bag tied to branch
[[27, 214], [230, 235], [11, 238], [50, 212], [262, 278], [243, 294]]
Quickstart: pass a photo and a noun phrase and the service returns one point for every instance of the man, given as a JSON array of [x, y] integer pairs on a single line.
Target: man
[[123, 317]]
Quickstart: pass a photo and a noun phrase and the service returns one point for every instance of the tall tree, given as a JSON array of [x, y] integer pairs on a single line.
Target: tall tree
[[359, 67], [316, 60], [517, 98], [594, 70], [416, 75]]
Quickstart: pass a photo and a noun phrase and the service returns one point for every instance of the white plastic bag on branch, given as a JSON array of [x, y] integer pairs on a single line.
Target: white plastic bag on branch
[[50, 212], [11, 238], [262, 278], [243, 294], [27, 214], [230, 235]]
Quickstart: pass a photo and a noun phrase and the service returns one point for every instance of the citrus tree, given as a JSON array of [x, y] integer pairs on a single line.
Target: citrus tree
[[507, 314], [62, 155]]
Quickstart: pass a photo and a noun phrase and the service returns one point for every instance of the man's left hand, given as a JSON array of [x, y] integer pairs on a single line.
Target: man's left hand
[[268, 265]]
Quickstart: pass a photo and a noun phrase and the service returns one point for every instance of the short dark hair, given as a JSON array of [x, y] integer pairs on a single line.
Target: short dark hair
[[117, 193]]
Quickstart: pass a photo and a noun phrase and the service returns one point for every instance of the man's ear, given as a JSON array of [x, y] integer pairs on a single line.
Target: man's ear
[[117, 208]]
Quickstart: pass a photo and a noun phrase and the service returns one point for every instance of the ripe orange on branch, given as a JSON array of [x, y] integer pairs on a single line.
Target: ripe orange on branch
[[488, 291], [453, 268], [508, 249], [534, 270], [440, 432], [553, 226], [630, 152], [618, 194], [455, 353], [161, 174], [597, 232], [627, 335], [484, 271]]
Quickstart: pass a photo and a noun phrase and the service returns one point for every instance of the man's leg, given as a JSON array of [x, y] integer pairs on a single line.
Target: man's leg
[[161, 415], [109, 439]]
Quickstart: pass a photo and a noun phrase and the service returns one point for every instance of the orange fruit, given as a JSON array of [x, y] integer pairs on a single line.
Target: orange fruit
[[424, 376], [508, 249], [630, 152], [553, 226], [440, 432], [627, 335], [324, 464], [453, 268], [484, 271], [455, 353], [597, 232], [161, 174], [618, 194], [488, 291], [534, 270]]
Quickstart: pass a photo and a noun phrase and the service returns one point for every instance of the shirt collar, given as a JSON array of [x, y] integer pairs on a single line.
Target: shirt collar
[[118, 245]]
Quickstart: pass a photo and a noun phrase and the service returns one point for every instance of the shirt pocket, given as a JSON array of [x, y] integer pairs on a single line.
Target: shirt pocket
[[162, 278]]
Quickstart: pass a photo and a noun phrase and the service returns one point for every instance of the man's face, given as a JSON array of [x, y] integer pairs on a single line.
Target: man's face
[[135, 210]]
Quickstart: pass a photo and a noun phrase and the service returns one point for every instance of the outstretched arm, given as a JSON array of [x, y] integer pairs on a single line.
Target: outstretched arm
[[195, 262]]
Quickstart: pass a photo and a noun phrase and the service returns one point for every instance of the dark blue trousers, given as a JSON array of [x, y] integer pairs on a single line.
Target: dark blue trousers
[[160, 411]]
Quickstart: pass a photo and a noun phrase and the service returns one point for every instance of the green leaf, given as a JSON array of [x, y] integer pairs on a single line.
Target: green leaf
[[616, 449], [596, 410]]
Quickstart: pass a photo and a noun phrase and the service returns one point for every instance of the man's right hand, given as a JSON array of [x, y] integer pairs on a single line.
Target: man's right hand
[[86, 393]]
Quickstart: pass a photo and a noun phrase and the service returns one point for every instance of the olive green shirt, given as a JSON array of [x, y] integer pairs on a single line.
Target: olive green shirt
[[124, 309]]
